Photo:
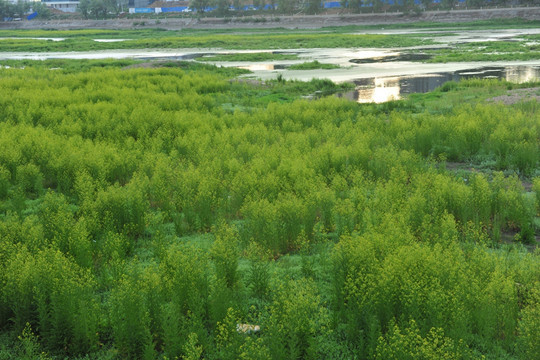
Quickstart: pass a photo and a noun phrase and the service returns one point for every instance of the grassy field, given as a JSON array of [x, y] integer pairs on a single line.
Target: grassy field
[[525, 49], [145, 212], [84, 40], [313, 65]]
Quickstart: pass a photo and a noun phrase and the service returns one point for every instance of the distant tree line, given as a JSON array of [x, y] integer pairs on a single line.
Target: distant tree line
[[99, 9], [111, 8], [315, 6], [20, 8]]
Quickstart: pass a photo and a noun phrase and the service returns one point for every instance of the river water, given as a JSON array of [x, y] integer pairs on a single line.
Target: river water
[[379, 74]]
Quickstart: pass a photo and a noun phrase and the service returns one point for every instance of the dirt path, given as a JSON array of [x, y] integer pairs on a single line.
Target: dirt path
[[289, 22]]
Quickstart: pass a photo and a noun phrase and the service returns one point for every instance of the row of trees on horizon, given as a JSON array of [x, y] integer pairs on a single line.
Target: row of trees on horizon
[[108, 8]]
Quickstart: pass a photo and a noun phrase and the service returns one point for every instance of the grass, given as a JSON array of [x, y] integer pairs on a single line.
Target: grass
[[69, 65], [278, 38], [259, 56], [191, 66], [83, 41], [313, 65], [246, 96], [487, 51], [452, 93]]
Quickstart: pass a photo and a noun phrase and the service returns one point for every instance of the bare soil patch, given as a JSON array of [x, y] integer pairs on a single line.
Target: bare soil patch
[[517, 95], [508, 237], [460, 166]]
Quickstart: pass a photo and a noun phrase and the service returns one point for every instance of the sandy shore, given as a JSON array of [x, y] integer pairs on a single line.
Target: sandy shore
[[290, 22]]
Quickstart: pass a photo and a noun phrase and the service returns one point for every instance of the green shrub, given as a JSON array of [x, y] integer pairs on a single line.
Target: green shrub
[[410, 344], [5, 182], [130, 319], [225, 253], [297, 322], [49, 291]]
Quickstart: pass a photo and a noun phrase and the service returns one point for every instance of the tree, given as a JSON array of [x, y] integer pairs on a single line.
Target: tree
[[408, 5], [43, 11], [378, 5], [84, 8], [7, 9], [426, 3], [354, 5], [474, 3], [448, 4], [199, 5], [99, 9], [313, 6], [258, 4], [286, 6], [22, 7], [222, 7]]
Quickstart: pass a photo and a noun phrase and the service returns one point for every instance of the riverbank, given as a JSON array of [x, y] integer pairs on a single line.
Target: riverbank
[[289, 22]]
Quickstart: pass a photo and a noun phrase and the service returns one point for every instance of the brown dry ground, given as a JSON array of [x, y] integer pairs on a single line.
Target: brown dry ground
[[289, 22]]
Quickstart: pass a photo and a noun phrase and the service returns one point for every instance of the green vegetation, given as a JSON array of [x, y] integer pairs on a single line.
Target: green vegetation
[[145, 212], [312, 65], [261, 56], [467, 25], [488, 51], [69, 65], [9, 9], [176, 40]]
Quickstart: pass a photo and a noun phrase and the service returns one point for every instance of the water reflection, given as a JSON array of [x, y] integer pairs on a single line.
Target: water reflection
[[109, 40], [258, 67], [392, 58], [384, 89], [33, 38]]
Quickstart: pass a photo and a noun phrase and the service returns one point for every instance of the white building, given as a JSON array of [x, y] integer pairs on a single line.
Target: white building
[[62, 5]]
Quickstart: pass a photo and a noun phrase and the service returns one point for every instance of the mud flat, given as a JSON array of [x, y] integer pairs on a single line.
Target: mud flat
[[289, 22]]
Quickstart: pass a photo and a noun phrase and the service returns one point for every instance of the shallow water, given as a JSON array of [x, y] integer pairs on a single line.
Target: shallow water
[[109, 40], [380, 74], [33, 38], [382, 89], [393, 58]]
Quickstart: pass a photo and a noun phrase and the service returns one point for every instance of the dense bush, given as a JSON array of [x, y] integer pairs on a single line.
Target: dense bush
[[143, 215]]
